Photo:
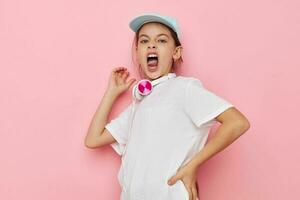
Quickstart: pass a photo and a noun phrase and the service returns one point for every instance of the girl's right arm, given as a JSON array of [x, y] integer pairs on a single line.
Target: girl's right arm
[[97, 135]]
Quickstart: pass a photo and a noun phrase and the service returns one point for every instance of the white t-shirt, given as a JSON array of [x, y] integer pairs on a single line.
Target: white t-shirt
[[170, 126]]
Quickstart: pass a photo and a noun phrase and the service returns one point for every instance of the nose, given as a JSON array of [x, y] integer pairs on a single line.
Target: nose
[[151, 45]]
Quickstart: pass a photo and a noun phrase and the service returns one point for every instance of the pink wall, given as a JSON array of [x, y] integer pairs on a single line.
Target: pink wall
[[55, 59]]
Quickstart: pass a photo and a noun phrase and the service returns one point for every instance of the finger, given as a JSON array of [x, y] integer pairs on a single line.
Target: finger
[[123, 68], [125, 74], [119, 72], [118, 76], [172, 180], [115, 73], [117, 69], [120, 69], [130, 82], [189, 190], [122, 72], [194, 191], [190, 193]]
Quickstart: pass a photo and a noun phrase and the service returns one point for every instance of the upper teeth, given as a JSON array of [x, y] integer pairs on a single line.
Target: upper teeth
[[152, 55]]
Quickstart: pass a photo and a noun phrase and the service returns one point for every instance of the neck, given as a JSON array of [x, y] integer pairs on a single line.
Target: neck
[[163, 78], [166, 74]]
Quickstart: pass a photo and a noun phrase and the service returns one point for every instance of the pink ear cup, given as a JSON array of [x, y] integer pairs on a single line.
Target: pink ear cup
[[144, 87]]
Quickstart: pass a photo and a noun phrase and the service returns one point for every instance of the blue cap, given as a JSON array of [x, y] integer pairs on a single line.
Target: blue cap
[[138, 21]]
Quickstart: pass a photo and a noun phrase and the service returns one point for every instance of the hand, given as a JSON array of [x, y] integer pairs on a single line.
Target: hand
[[118, 82], [188, 175]]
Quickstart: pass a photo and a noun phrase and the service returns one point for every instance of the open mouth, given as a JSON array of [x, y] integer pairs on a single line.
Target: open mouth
[[152, 60]]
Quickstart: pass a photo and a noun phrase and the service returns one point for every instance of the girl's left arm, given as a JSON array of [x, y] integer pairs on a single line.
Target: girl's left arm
[[233, 125]]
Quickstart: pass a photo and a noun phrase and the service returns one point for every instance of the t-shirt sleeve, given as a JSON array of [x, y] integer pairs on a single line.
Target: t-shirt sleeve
[[119, 129], [201, 105]]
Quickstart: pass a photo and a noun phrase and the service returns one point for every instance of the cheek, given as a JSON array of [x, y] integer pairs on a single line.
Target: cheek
[[167, 56], [140, 56]]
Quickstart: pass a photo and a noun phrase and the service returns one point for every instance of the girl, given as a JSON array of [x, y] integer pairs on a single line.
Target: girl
[[159, 135]]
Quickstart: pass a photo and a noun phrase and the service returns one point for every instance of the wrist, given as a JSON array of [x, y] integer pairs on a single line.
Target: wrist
[[111, 94], [193, 165]]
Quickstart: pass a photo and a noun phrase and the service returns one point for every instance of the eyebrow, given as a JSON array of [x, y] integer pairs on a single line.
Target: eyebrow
[[157, 35]]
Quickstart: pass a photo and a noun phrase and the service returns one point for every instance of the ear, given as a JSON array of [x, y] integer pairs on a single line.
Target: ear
[[177, 52]]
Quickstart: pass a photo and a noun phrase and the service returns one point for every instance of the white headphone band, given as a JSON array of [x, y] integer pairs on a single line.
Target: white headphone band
[[155, 82], [163, 78]]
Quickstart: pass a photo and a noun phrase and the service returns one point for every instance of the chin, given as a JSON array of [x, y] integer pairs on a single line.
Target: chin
[[153, 75]]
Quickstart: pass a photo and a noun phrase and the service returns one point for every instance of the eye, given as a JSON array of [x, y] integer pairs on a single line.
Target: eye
[[162, 40], [143, 41]]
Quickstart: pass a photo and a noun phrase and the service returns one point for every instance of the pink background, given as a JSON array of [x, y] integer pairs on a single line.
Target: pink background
[[56, 57]]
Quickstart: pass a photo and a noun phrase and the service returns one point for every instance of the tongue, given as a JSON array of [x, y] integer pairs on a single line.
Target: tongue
[[152, 63]]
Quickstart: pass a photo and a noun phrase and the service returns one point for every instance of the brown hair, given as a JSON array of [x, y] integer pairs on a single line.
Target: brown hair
[[174, 35]]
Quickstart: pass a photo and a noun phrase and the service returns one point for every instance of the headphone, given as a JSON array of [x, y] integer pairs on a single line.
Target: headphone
[[144, 87]]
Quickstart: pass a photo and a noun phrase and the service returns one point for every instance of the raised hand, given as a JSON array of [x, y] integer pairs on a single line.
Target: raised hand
[[118, 82]]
